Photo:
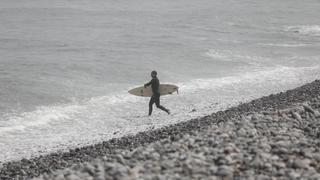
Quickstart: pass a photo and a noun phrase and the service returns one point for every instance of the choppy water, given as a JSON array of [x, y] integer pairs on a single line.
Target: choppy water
[[66, 66]]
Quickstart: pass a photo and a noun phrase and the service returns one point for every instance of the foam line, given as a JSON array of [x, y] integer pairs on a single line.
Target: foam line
[[310, 30]]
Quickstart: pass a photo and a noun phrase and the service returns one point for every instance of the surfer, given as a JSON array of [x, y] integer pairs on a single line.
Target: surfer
[[155, 98]]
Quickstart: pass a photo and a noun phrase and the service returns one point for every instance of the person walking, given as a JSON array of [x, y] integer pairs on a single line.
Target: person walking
[[155, 98]]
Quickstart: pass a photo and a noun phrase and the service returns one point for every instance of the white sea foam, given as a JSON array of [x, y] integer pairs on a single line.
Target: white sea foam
[[228, 55], [64, 112], [39, 117], [279, 74], [310, 30], [283, 44]]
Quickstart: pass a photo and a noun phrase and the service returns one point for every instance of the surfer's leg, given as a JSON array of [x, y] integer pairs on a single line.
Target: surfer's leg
[[150, 105], [157, 101]]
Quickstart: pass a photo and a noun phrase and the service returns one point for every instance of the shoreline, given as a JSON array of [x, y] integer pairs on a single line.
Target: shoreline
[[28, 168]]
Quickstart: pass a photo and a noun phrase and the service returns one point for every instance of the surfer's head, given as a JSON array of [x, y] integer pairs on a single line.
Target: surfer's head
[[154, 74]]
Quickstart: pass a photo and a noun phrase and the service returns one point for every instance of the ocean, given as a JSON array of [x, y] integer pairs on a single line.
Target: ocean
[[66, 65]]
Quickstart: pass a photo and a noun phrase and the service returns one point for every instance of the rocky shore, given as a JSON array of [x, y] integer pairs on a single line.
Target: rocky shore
[[274, 137]]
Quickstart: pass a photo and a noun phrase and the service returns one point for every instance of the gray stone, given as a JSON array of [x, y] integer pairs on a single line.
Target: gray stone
[[308, 108], [297, 116], [262, 177], [315, 176], [225, 171], [301, 163], [293, 175], [120, 159], [316, 156]]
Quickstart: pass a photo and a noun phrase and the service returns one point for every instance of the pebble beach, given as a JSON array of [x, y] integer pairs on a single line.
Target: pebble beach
[[273, 137]]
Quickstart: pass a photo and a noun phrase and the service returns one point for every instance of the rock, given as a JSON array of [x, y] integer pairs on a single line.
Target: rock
[[301, 163], [242, 132], [316, 113], [308, 108], [88, 168], [279, 164], [120, 159], [230, 148], [225, 171], [257, 162], [293, 175], [74, 177], [265, 147], [316, 156], [315, 176], [297, 116], [255, 117], [262, 177], [212, 178], [213, 170], [269, 118], [282, 150]]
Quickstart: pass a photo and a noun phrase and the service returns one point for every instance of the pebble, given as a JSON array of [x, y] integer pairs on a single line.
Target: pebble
[[316, 156], [294, 175], [301, 163], [225, 171], [262, 177]]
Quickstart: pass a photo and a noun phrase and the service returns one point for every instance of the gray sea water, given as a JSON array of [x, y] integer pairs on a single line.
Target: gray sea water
[[66, 65]]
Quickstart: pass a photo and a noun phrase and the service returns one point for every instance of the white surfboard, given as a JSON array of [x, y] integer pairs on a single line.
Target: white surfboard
[[147, 92]]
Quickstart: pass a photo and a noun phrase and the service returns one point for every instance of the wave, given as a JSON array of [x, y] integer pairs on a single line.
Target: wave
[[310, 30], [283, 44], [279, 74], [230, 56], [45, 115]]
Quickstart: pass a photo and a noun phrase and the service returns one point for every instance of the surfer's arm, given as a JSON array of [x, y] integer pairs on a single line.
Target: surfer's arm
[[148, 84]]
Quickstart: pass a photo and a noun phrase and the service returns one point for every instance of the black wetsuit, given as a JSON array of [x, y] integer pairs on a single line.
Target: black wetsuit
[[155, 98]]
